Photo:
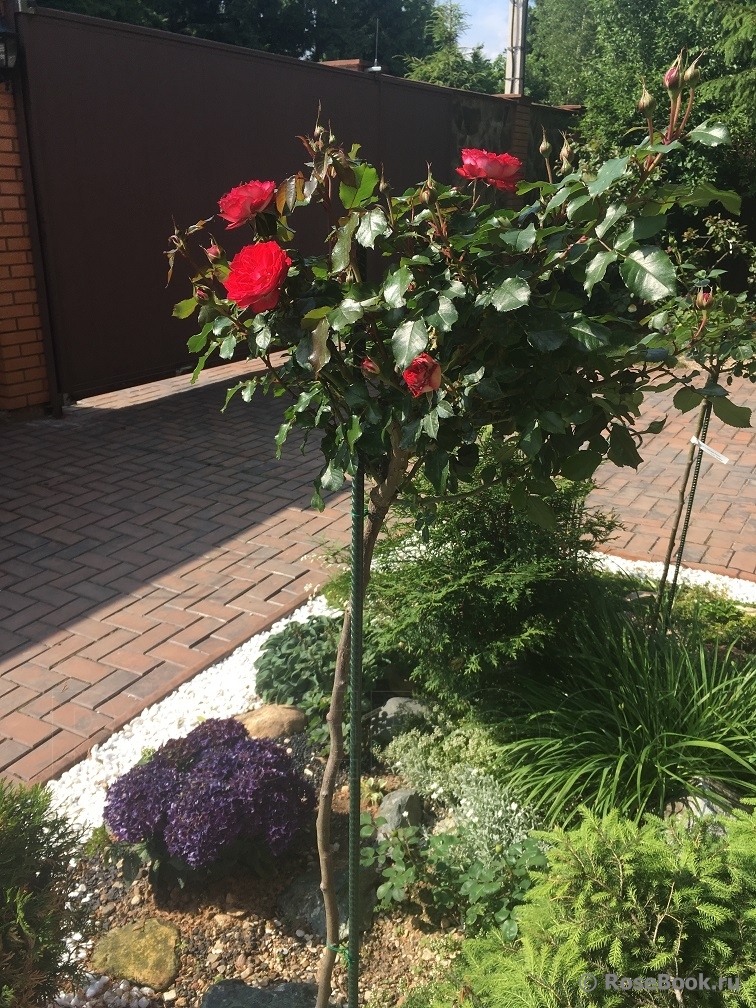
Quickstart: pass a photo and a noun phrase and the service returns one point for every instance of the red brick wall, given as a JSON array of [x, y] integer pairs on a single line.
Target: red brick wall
[[23, 375]]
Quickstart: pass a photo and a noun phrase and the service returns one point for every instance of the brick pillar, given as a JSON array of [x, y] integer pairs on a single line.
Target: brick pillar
[[23, 372]]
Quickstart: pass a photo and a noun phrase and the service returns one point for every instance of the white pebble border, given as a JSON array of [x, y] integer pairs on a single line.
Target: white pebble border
[[223, 690], [737, 588]]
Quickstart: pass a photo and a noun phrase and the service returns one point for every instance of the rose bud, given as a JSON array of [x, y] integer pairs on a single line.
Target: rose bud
[[371, 366], [704, 300], [201, 294], [692, 76], [647, 102], [213, 252], [545, 149], [423, 375], [673, 79], [566, 152]]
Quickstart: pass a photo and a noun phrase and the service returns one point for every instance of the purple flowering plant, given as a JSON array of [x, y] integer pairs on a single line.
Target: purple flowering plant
[[199, 796]]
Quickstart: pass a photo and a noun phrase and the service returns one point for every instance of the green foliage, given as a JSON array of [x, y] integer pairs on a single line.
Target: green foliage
[[487, 587], [714, 618], [449, 65], [430, 872], [675, 898], [460, 769], [632, 719], [296, 667], [36, 918]]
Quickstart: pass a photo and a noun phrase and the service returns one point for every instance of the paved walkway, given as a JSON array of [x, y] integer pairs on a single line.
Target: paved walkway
[[722, 534], [142, 538], [147, 535]]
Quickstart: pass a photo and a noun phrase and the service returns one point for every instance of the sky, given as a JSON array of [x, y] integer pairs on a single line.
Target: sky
[[489, 24]]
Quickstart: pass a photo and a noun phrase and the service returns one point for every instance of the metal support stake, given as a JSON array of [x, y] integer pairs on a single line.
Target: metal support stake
[[688, 512], [355, 732]]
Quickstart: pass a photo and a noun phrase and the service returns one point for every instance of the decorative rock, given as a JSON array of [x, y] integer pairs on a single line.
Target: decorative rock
[[303, 901], [399, 808], [144, 952], [273, 721], [236, 994], [397, 715]]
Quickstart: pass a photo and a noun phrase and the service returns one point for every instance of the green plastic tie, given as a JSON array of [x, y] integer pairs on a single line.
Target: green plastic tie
[[341, 950]]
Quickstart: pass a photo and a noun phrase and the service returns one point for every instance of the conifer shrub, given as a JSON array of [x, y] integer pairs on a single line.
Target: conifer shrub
[[37, 921], [200, 796], [667, 899]]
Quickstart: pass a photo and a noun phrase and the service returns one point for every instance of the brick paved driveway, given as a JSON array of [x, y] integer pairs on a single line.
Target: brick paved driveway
[[142, 538]]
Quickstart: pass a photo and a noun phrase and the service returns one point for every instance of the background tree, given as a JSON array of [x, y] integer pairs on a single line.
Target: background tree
[[449, 64], [594, 53], [317, 30]]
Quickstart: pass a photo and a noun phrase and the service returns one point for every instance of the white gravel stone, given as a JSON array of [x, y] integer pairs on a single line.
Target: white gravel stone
[[737, 588]]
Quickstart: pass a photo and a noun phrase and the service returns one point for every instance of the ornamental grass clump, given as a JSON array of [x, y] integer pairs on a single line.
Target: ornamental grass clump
[[200, 796]]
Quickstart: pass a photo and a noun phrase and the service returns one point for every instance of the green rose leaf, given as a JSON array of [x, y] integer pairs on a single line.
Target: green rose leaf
[[341, 254], [596, 269], [442, 314], [686, 399], [615, 212], [345, 314], [409, 340], [581, 466], [649, 274], [367, 180], [608, 174], [729, 413], [591, 335], [429, 424], [198, 343], [185, 308], [332, 477], [396, 287], [546, 340], [518, 240], [227, 347], [373, 225], [513, 293], [622, 449], [710, 135]]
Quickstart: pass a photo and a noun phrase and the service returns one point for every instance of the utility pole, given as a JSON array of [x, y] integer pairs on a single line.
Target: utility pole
[[514, 81]]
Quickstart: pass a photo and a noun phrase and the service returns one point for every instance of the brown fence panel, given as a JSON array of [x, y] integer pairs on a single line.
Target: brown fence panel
[[128, 127]]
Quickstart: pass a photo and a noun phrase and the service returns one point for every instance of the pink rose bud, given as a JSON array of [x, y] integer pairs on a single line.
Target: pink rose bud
[[371, 366], [673, 79], [201, 294], [423, 375], [213, 252], [704, 300]]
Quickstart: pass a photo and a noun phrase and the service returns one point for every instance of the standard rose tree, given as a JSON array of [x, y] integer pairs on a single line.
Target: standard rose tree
[[473, 318]]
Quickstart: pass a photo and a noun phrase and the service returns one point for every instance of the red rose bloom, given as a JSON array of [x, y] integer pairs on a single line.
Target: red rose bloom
[[500, 170], [423, 375], [246, 200], [256, 275]]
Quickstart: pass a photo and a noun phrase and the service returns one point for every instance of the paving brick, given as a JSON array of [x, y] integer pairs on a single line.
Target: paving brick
[[15, 698], [106, 689], [10, 752], [77, 719], [33, 765], [24, 729]]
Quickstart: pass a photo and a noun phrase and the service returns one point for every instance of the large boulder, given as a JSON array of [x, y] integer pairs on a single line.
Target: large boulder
[[303, 901], [273, 721], [397, 715], [144, 953], [237, 994], [399, 808]]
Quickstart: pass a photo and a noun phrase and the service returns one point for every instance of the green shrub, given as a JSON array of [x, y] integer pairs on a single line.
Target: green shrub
[[456, 768], [714, 617], [36, 919], [487, 587], [675, 898], [433, 875], [632, 720]]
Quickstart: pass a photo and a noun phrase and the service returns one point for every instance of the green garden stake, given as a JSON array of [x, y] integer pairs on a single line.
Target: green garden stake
[[355, 733]]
